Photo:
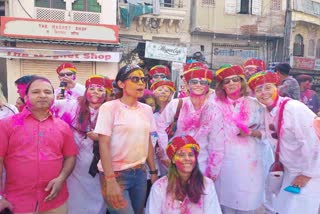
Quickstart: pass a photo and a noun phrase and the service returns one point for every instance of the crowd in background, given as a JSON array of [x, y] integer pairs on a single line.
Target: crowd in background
[[137, 144]]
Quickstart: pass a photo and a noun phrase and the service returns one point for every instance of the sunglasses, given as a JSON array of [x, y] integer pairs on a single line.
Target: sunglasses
[[136, 79], [195, 82], [233, 79], [156, 76], [65, 74]]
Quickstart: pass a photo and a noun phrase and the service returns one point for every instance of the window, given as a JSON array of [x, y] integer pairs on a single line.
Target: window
[[56, 4], [245, 7], [87, 5], [311, 47], [318, 49], [298, 47], [207, 2]]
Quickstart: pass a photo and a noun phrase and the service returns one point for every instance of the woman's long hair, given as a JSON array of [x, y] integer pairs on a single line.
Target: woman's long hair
[[222, 95], [193, 188]]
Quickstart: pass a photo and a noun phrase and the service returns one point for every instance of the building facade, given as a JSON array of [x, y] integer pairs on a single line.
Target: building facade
[[38, 35], [231, 31]]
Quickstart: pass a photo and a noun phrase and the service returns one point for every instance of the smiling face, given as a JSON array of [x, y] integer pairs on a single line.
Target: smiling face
[[185, 160], [95, 94], [134, 84], [198, 86], [40, 95], [232, 86], [163, 93], [266, 94]]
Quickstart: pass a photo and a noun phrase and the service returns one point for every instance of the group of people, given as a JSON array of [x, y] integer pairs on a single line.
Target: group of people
[[109, 144]]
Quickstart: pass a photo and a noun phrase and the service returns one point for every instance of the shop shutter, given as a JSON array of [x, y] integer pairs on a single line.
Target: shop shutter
[[48, 69]]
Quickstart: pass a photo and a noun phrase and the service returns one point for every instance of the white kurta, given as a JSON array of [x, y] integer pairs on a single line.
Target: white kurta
[[84, 190], [196, 123], [299, 153], [160, 203], [240, 184], [72, 93], [7, 110]]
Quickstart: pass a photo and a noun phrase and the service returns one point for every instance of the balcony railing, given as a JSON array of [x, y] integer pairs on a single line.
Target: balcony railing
[[64, 15]]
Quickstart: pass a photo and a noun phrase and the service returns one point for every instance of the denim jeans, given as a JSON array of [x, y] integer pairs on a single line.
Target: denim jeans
[[134, 185]]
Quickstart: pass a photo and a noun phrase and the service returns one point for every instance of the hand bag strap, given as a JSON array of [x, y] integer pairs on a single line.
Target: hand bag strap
[[280, 122], [176, 116]]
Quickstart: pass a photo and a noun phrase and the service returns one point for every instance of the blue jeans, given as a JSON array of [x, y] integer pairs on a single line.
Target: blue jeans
[[134, 185]]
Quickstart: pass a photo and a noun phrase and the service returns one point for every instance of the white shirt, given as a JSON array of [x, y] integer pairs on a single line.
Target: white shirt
[[159, 202]]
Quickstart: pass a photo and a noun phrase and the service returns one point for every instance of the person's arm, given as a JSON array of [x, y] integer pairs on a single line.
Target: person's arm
[[55, 184], [151, 162], [301, 118], [111, 189], [216, 145], [156, 199]]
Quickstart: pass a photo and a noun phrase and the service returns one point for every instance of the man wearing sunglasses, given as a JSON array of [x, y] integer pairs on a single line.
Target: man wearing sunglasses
[[68, 87]]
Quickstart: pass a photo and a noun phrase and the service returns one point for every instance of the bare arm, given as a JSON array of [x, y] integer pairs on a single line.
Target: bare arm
[[113, 195], [150, 161], [55, 184]]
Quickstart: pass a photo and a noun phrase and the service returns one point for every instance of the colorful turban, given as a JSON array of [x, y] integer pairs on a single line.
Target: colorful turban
[[159, 69], [258, 63], [100, 80], [68, 66], [229, 70], [179, 142], [262, 78], [188, 66], [197, 72], [167, 83]]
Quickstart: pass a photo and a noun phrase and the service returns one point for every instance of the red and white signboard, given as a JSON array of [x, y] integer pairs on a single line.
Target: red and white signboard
[[54, 30], [61, 55], [303, 63]]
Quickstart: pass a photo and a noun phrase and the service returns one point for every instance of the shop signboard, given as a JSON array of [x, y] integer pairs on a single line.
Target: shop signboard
[[303, 63], [61, 55], [55, 30], [165, 52]]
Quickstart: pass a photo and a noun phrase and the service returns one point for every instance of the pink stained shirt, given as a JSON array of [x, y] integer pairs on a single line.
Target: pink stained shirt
[[33, 153]]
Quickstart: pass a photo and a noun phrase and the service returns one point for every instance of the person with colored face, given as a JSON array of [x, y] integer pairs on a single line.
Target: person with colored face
[[307, 95], [184, 189], [252, 66], [299, 145], [159, 72], [38, 152], [124, 126], [81, 115], [243, 150], [68, 87], [195, 118], [21, 84]]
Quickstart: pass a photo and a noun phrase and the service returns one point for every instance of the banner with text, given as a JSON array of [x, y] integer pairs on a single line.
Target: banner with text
[[165, 52], [61, 55]]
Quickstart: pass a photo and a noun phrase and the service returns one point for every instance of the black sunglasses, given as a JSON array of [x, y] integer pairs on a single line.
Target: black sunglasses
[[65, 74], [195, 82], [233, 79], [136, 79]]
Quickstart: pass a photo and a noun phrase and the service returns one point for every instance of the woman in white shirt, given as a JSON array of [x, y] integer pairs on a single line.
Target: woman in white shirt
[[240, 182], [184, 189], [299, 146]]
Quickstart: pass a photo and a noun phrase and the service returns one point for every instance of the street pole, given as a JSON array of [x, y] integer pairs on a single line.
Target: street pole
[[287, 32]]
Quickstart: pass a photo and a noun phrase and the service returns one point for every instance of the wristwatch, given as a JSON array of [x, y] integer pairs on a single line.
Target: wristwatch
[[151, 172]]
